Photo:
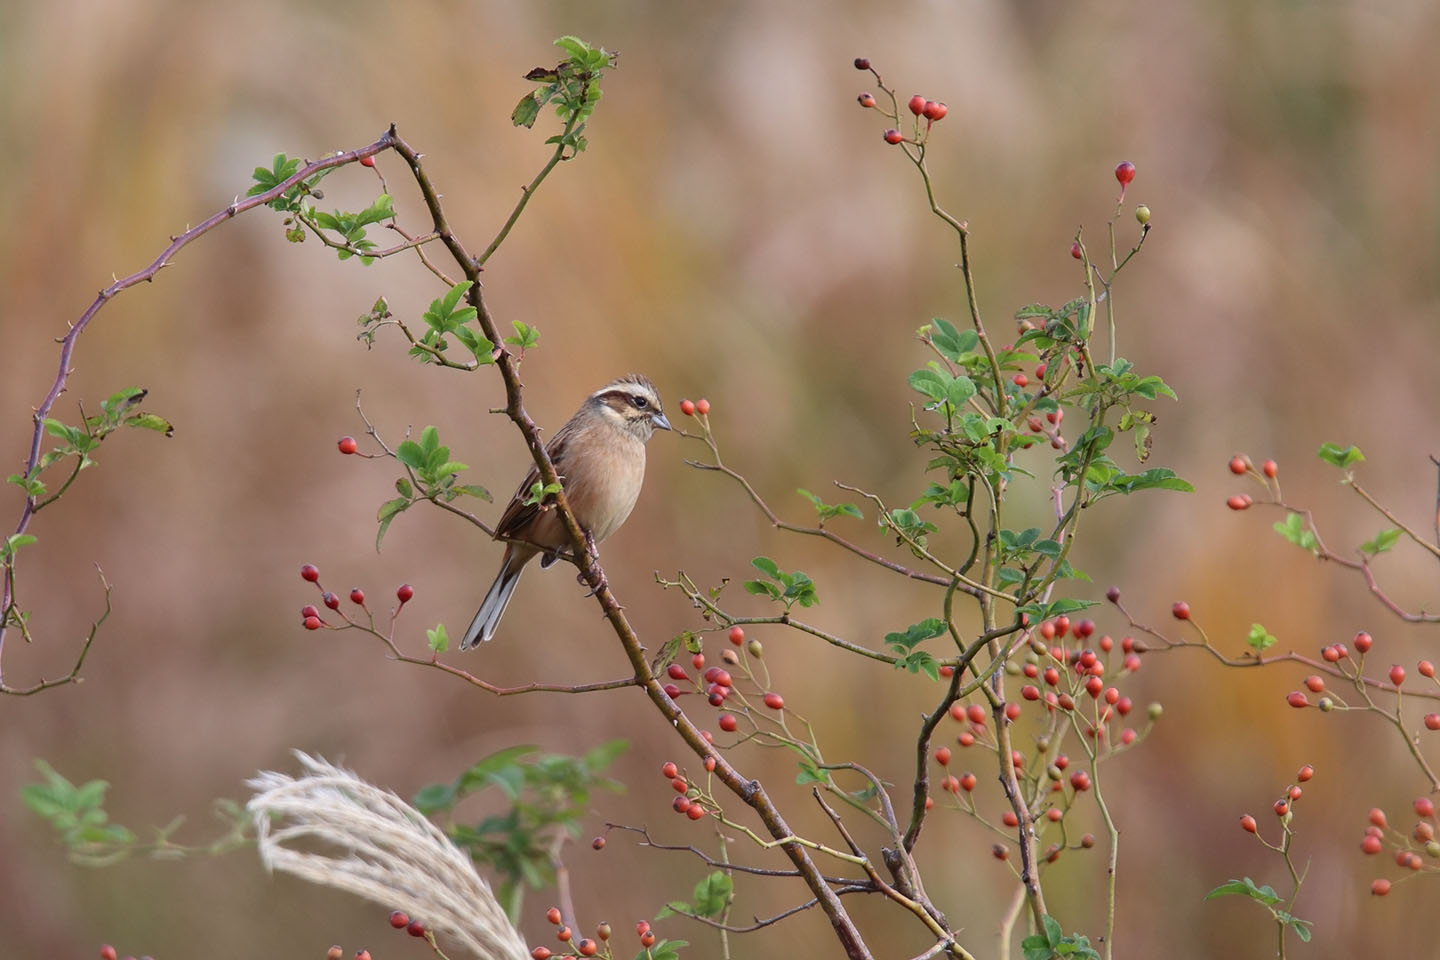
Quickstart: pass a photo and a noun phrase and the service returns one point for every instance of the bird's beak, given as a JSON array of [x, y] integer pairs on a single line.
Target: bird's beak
[[660, 422]]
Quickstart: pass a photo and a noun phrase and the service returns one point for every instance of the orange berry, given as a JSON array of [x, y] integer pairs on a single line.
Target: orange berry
[[702, 406]]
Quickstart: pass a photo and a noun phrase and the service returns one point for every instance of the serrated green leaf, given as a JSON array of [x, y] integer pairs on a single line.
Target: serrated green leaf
[[438, 639]]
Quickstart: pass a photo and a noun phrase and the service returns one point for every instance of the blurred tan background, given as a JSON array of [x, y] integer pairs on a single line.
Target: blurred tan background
[[737, 229]]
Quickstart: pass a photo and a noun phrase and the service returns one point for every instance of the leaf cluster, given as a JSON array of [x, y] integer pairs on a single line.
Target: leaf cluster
[[786, 588], [429, 465], [546, 797], [573, 86]]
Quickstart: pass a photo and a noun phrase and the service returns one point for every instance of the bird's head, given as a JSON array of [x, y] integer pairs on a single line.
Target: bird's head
[[631, 404]]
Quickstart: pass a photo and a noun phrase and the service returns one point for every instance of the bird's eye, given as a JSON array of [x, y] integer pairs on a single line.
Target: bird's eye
[[640, 402]]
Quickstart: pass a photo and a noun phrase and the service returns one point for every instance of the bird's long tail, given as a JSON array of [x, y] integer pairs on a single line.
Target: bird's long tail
[[492, 608]]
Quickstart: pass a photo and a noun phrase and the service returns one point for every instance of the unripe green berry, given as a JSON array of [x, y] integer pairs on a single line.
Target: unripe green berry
[[1326, 704], [1156, 711], [1142, 214]]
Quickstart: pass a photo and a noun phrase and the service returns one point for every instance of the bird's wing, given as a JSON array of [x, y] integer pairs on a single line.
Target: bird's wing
[[518, 513]]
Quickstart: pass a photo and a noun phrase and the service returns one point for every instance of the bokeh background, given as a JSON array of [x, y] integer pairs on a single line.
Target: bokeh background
[[737, 229]]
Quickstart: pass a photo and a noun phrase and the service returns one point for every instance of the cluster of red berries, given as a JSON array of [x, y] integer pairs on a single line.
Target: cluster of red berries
[[1284, 806], [1048, 661], [1407, 847], [584, 947], [310, 615], [931, 110], [688, 800], [692, 407], [1240, 465], [1336, 652], [716, 682], [401, 920]]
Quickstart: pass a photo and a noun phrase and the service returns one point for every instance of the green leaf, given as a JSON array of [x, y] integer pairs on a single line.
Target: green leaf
[[598, 758], [762, 588], [675, 908], [32, 486], [410, 454], [435, 797], [952, 343], [14, 542], [712, 894], [1295, 529], [961, 389], [828, 511], [539, 491], [810, 773], [916, 633], [525, 337], [1259, 638], [766, 566], [931, 383], [438, 639], [452, 299], [662, 950], [1383, 541], [920, 661], [577, 49], [1333, 454], [388, 511], [1044, 611], [150, 421], [473, 490], [1245, 888], [1053, 932], [527, 110]]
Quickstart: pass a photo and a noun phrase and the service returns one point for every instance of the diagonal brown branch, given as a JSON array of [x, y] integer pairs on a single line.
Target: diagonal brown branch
[[750, 791]]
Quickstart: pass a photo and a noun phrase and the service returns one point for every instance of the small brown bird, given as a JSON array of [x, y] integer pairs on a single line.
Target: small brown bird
[[600, 457]]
